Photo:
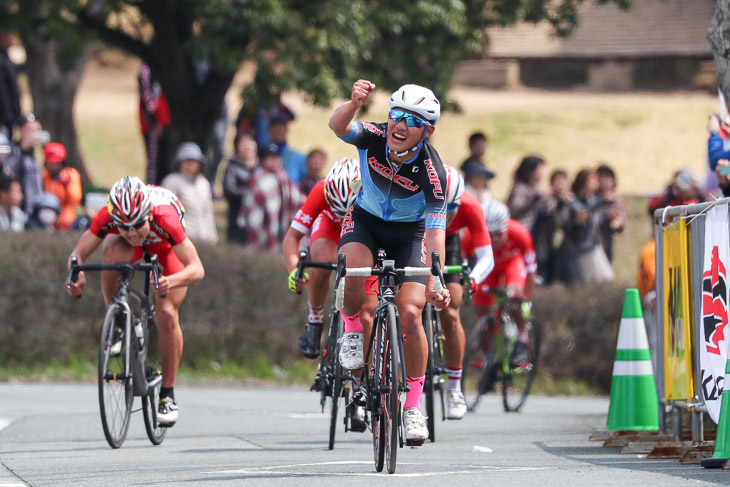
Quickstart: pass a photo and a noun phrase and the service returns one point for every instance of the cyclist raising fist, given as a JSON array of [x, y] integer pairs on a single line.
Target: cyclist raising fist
[[401, 209], [142, 218]]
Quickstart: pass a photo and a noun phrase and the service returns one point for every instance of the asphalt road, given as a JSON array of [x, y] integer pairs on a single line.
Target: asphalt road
[[50, 435]]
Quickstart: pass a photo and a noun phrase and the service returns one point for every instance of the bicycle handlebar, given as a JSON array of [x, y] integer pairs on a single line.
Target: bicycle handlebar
[[154, 266], [304, 263], [387, 269]]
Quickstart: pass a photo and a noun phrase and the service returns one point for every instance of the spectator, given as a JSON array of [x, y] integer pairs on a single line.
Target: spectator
[[46, 208], [552, 215], [154, 119], [477, 151], [218, 139], [94, 199], [269, 203], [612, 208], [263, 105], [235, 182], [682, 190], [22, 162], [5, 149], [9, 90], [316, 160], [295, 163], [11, 196], [193, 190], [476, 182], [646, 281], [525, 193], [64, 182]]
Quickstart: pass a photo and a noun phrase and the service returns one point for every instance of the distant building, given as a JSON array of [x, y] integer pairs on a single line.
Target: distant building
[[656, 44]]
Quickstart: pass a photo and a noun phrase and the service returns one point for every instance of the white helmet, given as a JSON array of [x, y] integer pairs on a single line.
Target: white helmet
[[129, 201], [342, 185], [454, 187], [418, 100], [497, 215]]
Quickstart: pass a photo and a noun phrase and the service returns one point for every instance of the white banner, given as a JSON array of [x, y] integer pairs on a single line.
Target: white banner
[[714, 336]]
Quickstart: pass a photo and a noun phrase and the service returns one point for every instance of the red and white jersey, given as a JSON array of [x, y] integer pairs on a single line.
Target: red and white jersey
[[167, 225], [518, 243], [315, 204], [470, 215]]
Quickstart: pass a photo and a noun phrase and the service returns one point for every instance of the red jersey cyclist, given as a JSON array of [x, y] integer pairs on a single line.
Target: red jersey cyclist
[[401, 209], [464, 211], [515, 269], [137, 218], [322, 213]]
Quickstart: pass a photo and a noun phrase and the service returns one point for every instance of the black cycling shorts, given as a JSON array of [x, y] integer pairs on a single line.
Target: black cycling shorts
[[403, 242], [453, 256]]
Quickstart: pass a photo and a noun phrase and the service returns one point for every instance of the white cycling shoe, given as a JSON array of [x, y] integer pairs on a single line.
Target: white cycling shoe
[[415, 423], [455, 404], [351, 354]]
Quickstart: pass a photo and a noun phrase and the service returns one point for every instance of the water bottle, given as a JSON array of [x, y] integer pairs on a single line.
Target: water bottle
[[139, 332]]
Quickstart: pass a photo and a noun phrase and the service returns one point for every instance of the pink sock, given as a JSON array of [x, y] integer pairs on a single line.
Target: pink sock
[[413, 397], [352, 323]]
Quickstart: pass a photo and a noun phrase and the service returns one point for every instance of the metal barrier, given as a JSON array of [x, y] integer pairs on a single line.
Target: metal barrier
[[694, 214]]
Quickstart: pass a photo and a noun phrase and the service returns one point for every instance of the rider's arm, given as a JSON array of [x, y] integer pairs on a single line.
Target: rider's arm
[[290, 248], [529, 285], [340, 120], [484, 263], [193, 270], [86, 245]]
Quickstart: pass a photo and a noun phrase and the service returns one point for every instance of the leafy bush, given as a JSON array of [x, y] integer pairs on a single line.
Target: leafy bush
[[243, 310]]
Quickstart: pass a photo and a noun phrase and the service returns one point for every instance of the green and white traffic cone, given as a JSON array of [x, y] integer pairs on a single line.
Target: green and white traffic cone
[[722, 440], [634, 402]]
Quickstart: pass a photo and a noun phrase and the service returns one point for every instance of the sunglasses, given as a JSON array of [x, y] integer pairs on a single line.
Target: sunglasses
[[136, 226], [411, 119]]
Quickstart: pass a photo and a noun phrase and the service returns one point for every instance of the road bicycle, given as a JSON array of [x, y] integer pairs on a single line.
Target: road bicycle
[[488, 352], [434, 384], [129, 363], [384, 373], [331, 379]]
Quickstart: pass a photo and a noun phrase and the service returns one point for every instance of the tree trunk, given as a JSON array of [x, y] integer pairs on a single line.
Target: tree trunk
[[54, 91], [719, 37]]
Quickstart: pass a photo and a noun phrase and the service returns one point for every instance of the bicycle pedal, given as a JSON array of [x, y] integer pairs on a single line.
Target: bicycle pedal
[[415, 443]]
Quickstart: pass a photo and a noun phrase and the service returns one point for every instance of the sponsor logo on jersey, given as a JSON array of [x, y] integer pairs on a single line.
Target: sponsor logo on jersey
[[347, 224], [387, 173], [373, 128], [433, 177]]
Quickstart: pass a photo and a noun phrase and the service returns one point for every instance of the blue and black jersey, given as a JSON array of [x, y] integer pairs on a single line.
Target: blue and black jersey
[[413, 192]]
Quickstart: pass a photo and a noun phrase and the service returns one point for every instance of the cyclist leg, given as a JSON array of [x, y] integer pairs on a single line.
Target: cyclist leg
[[114, 249], [351, 353], [321, 250]]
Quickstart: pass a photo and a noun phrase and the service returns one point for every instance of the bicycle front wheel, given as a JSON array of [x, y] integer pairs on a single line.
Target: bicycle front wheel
[[391, 390], [375, 367], [479, 368], [429, 324], [153, 371], [115, 380], [337, 382], [517, 382]]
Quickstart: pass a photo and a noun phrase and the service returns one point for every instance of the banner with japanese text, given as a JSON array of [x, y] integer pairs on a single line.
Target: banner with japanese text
[[714, 336], [678, 382]]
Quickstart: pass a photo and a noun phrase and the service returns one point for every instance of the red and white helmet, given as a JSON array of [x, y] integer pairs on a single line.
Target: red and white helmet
[[342, 185], [454, 187], [418, 100], [129, 201]]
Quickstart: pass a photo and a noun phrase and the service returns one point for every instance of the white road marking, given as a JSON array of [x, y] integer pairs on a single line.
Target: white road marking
[[4, 424], [481, 449], [295, 470], [308, 416]]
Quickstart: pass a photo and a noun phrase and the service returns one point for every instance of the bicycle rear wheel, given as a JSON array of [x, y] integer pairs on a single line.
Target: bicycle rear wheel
[[114, 380], [390, 390], [517, 382], [153, 371], [337, 381], [479, 370], [429, 324]]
